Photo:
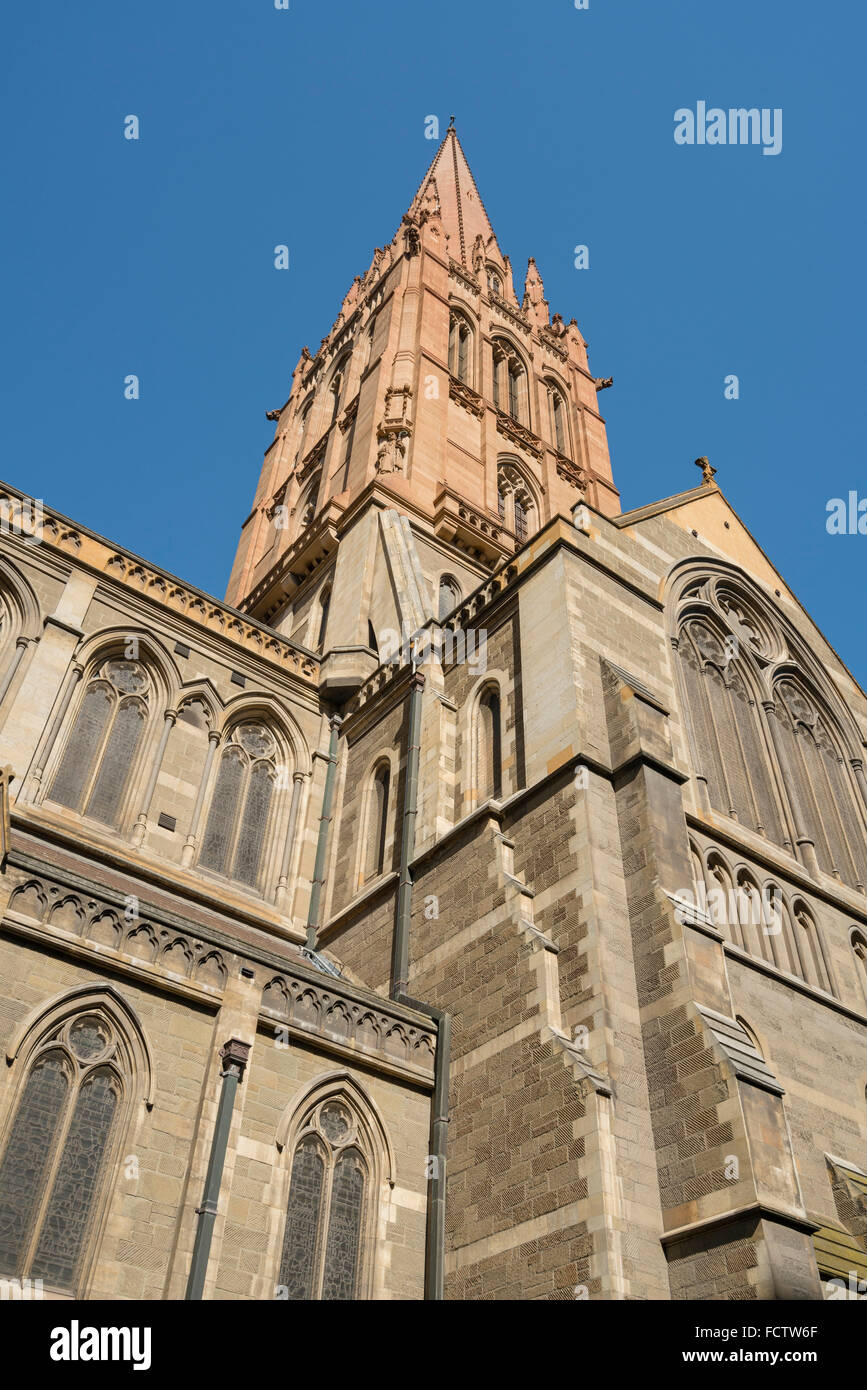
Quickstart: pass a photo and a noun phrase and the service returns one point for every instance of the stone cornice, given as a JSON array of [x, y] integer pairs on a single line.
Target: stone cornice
[[93, 553]]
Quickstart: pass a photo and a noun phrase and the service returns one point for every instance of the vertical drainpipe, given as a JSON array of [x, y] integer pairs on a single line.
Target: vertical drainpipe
[[435, 1240], [322, 842], [400, 958], [436, 1208], [235, 1055]]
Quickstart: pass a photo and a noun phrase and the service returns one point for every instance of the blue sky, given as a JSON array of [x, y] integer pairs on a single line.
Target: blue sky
[[306, 127]]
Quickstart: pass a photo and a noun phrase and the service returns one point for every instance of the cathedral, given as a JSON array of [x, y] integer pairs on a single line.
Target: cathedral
[[473, 905]]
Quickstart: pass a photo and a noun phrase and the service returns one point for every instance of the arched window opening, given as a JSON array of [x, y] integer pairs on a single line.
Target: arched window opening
[[510, 382], [330, 1217], [520, 526], [58, 1148], [324, 605], [813, 954], [100, 751], [449, 596], [376, 831], [460, 344], [558, 414], [771, 753], [367, 350], [239, 817], [859, 948], [307, 503], [722, 902], [495, 283], [826, 794], [515, 506], [304, 430], [725, 721], [489, 762], [751, 917]]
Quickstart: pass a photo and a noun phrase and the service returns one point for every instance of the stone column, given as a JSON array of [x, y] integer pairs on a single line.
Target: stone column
[[20, 648], [804, 843], [189, 850], [283, 881], [141, 825], [47, 743]]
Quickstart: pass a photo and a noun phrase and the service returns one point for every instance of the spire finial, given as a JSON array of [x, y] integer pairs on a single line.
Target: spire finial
[[451, 124], [707, 470]]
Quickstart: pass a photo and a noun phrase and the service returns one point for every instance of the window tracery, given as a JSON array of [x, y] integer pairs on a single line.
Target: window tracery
[[59, 1144], [460, 348], [331, 1206], [241, 805], [769, 752], [515, 505], [510, 381], [102, 745]]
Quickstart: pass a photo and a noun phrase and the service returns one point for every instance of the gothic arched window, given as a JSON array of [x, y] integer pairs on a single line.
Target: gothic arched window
[[449, 596], [460, 347], [559, 417], [859, 947], [100, 750], [826, 795], [306, 506], [488, 758], [60, 1143], [240, 814], [304, 428], [330, 1214], [510, 381], [727, 728], [812, 948], [515, 505], [771, 753], [495, 283], [376, 826], [324, 605]]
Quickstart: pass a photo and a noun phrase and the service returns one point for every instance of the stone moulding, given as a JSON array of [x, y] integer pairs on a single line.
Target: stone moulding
[[468, 528], [323, 1013], [463, 277], [170, 592], [518, 434], [464, 396], [104, 927], [143, 947], [571, 472]]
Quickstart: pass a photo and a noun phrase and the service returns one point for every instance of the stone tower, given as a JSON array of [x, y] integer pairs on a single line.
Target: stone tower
[[471, 906], [441, 423]]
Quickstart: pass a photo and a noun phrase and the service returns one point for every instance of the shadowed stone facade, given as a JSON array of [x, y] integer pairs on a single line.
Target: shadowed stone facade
[[479, 799]]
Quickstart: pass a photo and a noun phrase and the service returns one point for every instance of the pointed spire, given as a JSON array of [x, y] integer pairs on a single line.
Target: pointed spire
[[460, 205], [535, 304]]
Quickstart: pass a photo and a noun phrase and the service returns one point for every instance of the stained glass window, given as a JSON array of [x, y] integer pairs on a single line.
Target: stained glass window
[[297, 1267], [325, 1220], [72, 1195], [238, 820], [254, 825], [51, 1171], [344, 1227], [215, 846], [23, 1170], [117, 760], [82, 746], [100, 750]]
